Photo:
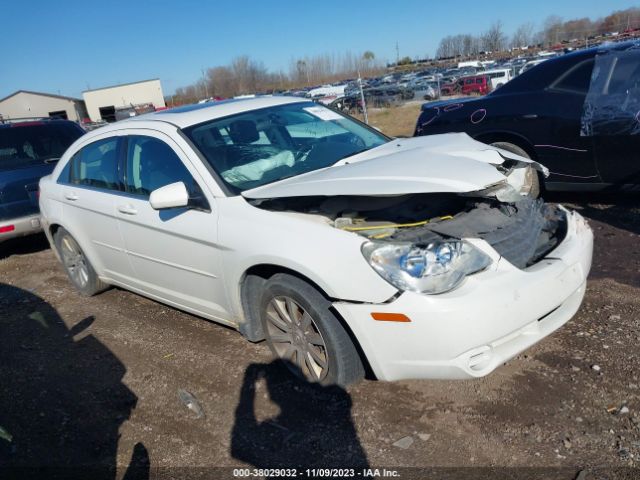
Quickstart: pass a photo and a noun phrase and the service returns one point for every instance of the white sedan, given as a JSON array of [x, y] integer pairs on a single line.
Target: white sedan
[[344, 249]]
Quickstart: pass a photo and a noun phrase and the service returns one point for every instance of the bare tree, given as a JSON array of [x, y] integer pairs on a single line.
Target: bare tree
[[493, 40], [552, 29], [523, 35]]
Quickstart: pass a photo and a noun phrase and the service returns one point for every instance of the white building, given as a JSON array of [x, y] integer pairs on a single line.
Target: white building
[[26, 104], [102, 103]]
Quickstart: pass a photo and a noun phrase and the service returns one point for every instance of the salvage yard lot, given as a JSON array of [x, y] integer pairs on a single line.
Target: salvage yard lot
[[77, 371]]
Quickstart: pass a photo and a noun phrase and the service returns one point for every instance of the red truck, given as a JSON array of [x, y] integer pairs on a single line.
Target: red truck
[[476, 85]]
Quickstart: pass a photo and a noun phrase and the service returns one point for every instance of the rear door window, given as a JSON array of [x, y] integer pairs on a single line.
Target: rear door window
[[96, 165]]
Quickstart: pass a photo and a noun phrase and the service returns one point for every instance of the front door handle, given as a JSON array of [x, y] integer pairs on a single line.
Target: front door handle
[[127, 209], [71, 196], [530, 116]]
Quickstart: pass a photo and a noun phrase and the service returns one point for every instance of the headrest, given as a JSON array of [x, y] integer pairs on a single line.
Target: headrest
[[243, 131]]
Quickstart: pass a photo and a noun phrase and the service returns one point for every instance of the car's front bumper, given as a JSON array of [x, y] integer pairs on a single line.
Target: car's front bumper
[[19, 227], [473, 329]]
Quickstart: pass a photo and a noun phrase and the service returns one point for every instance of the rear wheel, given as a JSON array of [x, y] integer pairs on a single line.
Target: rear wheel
[[76, 264], [532, 180], [301, 330]]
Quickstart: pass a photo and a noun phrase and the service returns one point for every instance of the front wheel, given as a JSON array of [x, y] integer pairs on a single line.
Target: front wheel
[[301, 330], [76, 264]]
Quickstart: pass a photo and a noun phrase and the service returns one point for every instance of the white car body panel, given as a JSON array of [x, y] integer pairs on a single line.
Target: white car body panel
[[451, 162], [451, 336], [196, 260]]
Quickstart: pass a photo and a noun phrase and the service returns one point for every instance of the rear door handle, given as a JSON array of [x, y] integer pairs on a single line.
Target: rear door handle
[[71, 196], [127, 210], [530, 116]]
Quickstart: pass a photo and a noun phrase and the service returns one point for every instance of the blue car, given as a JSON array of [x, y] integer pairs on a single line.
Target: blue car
[[29, 150]]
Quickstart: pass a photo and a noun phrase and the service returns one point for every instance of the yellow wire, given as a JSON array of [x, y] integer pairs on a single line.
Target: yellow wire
[[393, 225]]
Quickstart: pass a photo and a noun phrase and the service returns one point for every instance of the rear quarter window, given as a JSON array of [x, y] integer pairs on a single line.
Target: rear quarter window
[[576, 79]]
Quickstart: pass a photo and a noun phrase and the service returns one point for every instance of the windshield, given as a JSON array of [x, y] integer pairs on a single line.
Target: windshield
[[263, 146], [26, 145]]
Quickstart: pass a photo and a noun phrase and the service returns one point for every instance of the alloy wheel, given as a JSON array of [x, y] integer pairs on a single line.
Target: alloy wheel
[[74, 261], [294, 336]]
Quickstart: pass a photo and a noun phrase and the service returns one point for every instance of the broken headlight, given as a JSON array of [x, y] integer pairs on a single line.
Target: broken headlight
[[434, 268]]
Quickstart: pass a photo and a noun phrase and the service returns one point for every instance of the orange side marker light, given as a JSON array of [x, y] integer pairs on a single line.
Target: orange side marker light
[[390, 317]]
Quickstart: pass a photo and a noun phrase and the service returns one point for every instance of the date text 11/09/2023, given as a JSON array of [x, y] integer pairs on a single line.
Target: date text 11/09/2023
[[315, 473]]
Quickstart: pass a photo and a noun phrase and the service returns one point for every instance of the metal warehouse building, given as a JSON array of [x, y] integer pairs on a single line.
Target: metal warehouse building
[[102, 103], [25, 104]]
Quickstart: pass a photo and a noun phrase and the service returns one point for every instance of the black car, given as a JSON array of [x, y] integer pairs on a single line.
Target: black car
[[29, 150], [578, 114]]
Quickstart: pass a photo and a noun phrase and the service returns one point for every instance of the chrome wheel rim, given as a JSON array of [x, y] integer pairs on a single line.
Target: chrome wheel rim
[[74, 261], [294, 336]]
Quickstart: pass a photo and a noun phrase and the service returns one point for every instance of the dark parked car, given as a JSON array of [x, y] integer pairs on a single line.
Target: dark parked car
[[585, 128], [29, 150]]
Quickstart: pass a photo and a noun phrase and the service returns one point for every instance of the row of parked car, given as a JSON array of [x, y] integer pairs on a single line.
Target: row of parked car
[[345, 250], [469, 78]]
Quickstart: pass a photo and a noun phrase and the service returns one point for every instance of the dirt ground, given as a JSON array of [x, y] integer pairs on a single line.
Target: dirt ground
[[95, 382], [397, 121]]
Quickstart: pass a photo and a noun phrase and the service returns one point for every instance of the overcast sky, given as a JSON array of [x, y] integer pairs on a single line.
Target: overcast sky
[[67, 46]]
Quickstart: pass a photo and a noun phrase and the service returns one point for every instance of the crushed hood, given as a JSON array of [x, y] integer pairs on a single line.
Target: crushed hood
[[448, 163]]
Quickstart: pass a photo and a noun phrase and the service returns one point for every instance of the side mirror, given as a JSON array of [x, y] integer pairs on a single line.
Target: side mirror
[[173, 195]]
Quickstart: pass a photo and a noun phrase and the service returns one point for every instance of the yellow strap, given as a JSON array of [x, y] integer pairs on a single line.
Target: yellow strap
[[392, 225]]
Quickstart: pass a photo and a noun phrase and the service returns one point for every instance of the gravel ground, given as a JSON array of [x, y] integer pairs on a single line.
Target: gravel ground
[[95, 382]]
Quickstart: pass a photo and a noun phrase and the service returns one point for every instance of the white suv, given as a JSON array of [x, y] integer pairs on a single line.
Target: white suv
[[339, 246]]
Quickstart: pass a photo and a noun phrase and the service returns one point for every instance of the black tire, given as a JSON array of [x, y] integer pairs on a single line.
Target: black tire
[[77, 265], [532, 174], [343, 364]]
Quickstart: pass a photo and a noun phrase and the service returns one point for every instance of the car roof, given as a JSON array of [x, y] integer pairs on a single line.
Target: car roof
[[188, 115]]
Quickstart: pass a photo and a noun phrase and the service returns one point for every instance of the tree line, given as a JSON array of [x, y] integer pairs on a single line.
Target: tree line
[[244, 75], [553, 31]]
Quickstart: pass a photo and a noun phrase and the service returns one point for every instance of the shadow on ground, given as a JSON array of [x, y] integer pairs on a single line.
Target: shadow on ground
[[313, 428], [23, 245], [615, 219], [62, 399]]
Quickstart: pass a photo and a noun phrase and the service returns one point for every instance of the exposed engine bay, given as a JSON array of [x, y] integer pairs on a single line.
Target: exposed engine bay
[[522, 231]]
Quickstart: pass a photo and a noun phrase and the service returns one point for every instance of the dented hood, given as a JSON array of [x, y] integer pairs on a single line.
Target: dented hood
[[448, 163]]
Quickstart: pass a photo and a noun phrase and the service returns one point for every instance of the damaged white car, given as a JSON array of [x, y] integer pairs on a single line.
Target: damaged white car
[[345, 250]]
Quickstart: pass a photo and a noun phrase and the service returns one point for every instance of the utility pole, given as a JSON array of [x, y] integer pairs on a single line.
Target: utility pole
[[364, 103], [204, 81], [397, 54]]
